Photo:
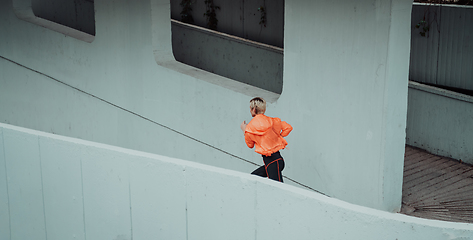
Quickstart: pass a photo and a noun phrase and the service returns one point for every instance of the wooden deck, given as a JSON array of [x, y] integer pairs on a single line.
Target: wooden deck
[[436, 187]]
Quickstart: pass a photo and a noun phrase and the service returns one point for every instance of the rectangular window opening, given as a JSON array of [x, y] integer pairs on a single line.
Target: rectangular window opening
[[240, 40], [74, 18]]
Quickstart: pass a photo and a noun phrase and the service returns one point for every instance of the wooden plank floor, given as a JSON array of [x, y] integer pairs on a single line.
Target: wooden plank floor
[[436, 187]]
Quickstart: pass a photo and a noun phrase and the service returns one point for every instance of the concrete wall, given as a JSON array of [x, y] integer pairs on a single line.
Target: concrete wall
[[241, 18], [54, 187], [444, 57], [352, 59], [112, 91], [440, 121], [242, 60], [345, 91]]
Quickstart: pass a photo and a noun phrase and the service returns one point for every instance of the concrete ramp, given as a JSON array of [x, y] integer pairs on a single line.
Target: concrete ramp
[[54, 187]]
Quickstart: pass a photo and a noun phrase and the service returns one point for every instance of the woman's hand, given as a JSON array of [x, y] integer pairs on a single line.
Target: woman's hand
[[243, 126]]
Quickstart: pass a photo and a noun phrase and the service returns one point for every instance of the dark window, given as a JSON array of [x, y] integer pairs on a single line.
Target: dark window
[[76, 14]]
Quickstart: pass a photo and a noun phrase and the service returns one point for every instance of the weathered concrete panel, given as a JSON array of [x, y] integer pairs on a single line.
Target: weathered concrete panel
[[106, 187], [440, 121], [221, 203], [25, 185], [308, 215], [158, 199], [4, 201], [62, 189]]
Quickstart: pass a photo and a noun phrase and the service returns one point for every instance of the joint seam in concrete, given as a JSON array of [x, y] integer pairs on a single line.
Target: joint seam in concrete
[[6, 183], [42, 188]]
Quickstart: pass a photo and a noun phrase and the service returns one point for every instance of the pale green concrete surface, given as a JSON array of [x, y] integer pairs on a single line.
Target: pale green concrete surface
[[344, 92], [66, 188], [440, 121]]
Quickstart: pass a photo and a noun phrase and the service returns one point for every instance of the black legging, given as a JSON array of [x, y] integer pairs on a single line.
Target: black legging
[[273, 166]]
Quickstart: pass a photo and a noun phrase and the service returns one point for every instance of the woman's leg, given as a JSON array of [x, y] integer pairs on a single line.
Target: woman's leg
[[274, 165], [261, 171], [274, 169]]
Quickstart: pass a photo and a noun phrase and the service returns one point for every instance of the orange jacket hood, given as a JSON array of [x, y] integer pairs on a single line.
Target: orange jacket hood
[[259, 125]]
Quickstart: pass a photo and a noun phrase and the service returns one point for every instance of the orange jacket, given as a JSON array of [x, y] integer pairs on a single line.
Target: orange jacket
[[267, 134]]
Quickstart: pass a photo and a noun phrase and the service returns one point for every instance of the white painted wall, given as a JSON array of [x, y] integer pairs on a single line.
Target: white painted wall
[[440, 121], [64, 188], [345, 91]]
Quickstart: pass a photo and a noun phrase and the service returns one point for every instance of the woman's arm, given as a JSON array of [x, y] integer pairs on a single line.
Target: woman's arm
[[243, 126], [286, 128], [249, 141]]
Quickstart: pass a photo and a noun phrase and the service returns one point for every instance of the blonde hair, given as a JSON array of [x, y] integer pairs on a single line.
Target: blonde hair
[[259, 104]]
